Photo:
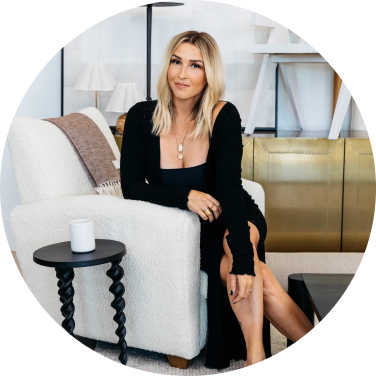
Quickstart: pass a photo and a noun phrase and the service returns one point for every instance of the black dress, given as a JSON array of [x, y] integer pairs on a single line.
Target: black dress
[[218, 302], [220, 177]]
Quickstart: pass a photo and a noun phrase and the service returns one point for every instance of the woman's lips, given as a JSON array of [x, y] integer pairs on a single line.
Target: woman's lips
[[181, 86]]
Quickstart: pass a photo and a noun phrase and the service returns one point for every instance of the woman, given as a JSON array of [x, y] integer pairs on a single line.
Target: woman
[[188, 145]]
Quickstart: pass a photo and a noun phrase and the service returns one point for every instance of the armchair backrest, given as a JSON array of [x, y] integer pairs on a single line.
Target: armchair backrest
[[44, 162]]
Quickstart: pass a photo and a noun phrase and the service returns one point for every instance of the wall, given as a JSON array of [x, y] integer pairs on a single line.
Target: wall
[[315, 82], [120, 42], [357, 122], [42, 100]]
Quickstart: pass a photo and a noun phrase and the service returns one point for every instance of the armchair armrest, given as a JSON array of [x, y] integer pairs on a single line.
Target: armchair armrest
[[257, 193], [161, 267]]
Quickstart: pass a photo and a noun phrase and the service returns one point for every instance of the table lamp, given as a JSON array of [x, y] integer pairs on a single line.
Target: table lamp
[[124, 97], [96, 77]]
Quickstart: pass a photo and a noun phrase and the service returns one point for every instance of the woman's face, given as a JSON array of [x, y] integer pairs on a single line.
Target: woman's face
[[186, 67]]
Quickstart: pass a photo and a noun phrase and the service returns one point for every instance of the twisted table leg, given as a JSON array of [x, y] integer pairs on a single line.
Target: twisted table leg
[[66, 293], [59, 284], [116, 273]]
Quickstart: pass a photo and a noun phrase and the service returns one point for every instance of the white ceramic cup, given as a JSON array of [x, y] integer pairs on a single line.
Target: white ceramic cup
[[82, 235]]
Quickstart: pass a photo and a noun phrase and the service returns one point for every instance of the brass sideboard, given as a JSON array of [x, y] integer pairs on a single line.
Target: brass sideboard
[[319, 193]]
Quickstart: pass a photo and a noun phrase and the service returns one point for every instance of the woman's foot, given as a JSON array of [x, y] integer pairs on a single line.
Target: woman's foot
[[247, 363], [255, 359]]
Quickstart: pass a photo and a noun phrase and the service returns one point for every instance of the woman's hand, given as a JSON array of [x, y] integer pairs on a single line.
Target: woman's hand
[[240, 285], [200, 201]]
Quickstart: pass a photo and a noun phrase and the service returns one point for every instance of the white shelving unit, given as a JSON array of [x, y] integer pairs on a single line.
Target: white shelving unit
[[280, 50]]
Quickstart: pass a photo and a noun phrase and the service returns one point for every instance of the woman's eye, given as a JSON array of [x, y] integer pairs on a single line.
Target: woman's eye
[[174, 61]]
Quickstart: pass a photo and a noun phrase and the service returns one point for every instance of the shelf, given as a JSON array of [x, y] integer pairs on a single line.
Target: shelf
[[282, 49]]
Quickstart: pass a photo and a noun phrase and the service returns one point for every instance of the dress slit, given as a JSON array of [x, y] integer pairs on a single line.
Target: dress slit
[[225, 341]]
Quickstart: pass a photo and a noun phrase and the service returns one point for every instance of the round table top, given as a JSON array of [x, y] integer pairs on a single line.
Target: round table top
[[60, 255]]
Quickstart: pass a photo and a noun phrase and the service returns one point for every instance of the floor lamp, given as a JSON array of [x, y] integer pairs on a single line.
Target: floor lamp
[[148, 40]]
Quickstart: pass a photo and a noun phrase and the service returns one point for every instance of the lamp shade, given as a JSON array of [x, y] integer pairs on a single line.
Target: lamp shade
[[95, 76], [124, 97]]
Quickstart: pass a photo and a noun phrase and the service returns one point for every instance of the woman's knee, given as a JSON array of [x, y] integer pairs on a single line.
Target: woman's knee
[[267, 278], [254, 234]]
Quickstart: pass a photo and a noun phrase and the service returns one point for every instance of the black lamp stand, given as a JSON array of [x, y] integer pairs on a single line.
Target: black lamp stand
[[148, 40]]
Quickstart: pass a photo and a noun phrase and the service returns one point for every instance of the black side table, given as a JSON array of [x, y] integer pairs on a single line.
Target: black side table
[[61, 257]]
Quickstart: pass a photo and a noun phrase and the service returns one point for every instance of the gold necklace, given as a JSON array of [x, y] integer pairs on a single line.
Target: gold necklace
[[180, 145]]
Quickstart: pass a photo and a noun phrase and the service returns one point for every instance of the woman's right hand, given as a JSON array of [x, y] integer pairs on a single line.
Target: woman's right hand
[[200, 201]]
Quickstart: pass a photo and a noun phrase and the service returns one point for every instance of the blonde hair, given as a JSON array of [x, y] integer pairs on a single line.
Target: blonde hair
[[164, 113]]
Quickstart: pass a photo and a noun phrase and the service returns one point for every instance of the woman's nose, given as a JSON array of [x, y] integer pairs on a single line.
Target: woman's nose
[[183, 74]]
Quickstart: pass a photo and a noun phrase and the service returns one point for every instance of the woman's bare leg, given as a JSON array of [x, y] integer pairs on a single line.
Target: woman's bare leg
[[281, 310], [250, 311]]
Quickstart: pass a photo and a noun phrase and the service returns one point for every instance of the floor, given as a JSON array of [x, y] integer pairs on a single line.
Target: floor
[[89, 343]]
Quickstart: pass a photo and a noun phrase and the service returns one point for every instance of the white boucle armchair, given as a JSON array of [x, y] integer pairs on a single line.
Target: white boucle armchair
[[165, 291]]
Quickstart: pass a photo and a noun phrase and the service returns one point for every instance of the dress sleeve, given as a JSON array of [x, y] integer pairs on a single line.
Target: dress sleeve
[[133, 163], [230, 191]]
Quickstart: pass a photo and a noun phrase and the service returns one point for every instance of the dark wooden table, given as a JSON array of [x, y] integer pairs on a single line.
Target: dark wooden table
[[63, 259], [317, 292], [325, 290]]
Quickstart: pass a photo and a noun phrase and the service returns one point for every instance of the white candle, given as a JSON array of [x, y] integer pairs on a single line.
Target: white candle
[[82, 235]]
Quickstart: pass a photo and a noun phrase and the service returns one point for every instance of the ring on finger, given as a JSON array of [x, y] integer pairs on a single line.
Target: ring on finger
[[207, 211]]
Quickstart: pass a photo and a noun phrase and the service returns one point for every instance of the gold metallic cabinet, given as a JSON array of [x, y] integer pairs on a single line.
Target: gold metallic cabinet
[[359, 194], [302, 180]]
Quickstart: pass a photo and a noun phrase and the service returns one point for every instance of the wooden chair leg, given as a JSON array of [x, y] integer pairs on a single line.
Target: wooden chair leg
[[176, 361]]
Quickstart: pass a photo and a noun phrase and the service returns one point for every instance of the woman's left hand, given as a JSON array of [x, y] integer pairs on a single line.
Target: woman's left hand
[[241, 285]]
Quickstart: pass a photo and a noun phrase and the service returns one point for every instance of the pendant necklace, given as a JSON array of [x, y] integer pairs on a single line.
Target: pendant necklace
[[180, 145]]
